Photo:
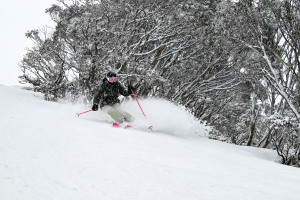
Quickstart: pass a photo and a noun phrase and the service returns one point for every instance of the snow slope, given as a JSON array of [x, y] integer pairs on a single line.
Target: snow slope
[[47, 153]]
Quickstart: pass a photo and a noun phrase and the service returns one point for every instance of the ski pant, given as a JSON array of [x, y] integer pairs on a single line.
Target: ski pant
[[117, 113]]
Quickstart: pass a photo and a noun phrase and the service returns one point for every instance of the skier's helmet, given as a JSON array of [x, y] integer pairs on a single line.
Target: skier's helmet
[[111, 76]]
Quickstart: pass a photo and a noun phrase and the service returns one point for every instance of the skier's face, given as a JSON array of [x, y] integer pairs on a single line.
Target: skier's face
[[112, 80]]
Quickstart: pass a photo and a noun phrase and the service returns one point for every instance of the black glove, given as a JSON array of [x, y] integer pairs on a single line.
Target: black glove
[[95, 107], [130, 87]]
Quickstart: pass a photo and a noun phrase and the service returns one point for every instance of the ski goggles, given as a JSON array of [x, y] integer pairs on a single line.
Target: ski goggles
[[112, 80]]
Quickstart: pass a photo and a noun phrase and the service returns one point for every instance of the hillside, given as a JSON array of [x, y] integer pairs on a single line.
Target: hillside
[[47, 153]]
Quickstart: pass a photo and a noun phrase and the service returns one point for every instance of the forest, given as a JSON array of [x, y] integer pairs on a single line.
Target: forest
[[233, 64]]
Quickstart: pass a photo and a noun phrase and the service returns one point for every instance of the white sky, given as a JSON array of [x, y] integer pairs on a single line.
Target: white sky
[[16, 17]]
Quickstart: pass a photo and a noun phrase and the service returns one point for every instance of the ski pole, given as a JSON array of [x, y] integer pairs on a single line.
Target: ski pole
[[150, 127], [83, 112], [138, 103]]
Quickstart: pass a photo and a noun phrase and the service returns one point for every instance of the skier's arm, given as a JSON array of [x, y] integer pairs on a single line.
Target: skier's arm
[[98, 96], [97, 99], [125, 92]]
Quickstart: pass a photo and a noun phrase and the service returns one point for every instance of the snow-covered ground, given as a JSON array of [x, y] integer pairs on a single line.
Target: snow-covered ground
[[46, 153]]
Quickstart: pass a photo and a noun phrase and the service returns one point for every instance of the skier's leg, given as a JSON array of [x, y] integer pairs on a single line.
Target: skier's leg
[[114, 113], [125, 114]]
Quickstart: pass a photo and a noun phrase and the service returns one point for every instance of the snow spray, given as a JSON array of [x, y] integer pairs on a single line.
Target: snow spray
[[138, 103]]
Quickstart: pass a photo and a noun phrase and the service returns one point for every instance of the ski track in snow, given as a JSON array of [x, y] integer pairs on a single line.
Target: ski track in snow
[[47, 153]]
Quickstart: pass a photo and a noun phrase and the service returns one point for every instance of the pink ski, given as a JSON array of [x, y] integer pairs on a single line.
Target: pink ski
[[128, 126], [118, 126]]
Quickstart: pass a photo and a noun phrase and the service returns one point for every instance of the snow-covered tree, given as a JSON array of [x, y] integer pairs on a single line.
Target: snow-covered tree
[[233, 64]]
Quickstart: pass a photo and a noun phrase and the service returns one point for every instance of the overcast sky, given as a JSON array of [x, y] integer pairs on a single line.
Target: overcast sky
[[16, 17]]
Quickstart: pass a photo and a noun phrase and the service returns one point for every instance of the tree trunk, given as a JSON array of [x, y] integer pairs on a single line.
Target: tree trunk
[[253, 119]]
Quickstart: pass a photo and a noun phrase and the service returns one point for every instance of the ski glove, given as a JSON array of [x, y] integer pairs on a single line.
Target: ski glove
[[95, 107], [130, 87]]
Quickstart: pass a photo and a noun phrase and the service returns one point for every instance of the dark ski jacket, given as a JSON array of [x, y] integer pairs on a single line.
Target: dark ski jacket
[[109, 93]]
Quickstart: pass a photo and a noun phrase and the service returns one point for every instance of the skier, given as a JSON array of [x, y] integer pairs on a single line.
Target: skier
[[108, 99]]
